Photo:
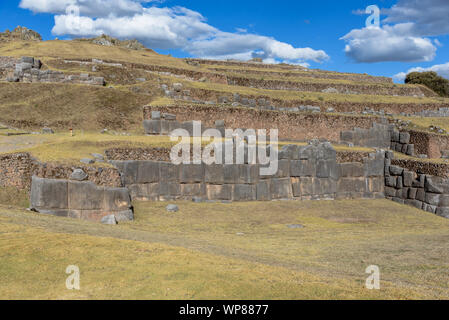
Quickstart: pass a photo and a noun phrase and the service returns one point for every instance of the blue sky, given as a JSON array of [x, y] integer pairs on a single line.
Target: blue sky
[[275, 30]]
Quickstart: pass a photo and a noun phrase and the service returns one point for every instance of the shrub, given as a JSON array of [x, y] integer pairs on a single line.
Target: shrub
[[431, 80]]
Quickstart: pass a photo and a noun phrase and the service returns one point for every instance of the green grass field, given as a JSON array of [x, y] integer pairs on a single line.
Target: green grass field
[[229, 251]]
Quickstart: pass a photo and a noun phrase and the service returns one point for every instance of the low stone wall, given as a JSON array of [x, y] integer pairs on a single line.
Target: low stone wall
[[291, 126], [16, 170], [214, 96], [80, 200], [378, 136], [431, 144], [362, 88], [310, 74], [28, 69], [422, 191], [305, 173]]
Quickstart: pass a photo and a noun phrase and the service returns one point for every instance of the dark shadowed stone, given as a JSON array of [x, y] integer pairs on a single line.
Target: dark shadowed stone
[[404, 137], [197, 200], [78, 175], [396, 171], [109, 220]]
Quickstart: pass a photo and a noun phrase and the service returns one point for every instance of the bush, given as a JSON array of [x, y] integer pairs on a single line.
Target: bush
[[431, 80]]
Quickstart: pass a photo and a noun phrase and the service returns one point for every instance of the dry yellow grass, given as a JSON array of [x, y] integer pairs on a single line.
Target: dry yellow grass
[[230, 251]]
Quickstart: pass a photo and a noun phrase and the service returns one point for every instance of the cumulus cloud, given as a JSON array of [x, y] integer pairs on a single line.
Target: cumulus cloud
[[166, 28], [441, 69], [404, 35], [429, 17], [375, 44]]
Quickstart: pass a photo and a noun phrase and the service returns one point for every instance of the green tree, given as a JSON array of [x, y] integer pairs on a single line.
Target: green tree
[[431, 80]]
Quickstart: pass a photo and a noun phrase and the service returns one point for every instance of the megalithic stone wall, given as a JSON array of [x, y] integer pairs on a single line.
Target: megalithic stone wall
[[80, 200], [426, 192], [305, 173], [379, 136]]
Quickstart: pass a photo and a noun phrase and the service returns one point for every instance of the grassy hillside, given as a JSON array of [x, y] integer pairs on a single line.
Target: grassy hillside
[[62, 106]]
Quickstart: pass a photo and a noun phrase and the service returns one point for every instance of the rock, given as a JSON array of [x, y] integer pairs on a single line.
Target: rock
[[330, 90], [141, 79], [87, 161], [295, 226], [156, 115], [172, 208], [78, 175], [47, 131], [110, 220], [177, 87], [197, 199], [98, 156]]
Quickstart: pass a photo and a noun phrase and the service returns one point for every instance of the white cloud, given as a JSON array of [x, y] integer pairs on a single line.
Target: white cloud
[[375, 44], [441, 69], [404, 35], [167, 28]]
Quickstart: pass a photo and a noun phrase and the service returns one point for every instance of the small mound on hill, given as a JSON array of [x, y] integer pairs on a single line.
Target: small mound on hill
[[105, 40], [431, 80], [20, 33]]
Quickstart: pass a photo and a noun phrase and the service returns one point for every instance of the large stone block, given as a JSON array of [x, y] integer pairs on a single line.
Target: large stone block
[[283, 169], [219, 192], [245, 192], [192, 190], [214, 174], [404, 137], [444, 200], [191, 173], [375, 184], [390, 181], [147, 172], [327, 169], [152, 127], [412, 193], [432, 199], [324, 187], [263, 191], [144, 192], [303, 168], [443, 212], [396, 171], [49, 193], [231, 173], [249, 173], [281, 188], [408, 178], [374, 167], [431, 185], [352, 185], [85, 196], [421, 195], [116, 199], [390, 192], [168, 172], [169, 190], [352, 169]]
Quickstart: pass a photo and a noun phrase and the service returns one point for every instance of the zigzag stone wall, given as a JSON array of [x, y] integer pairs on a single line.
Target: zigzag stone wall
[[305, 173]]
